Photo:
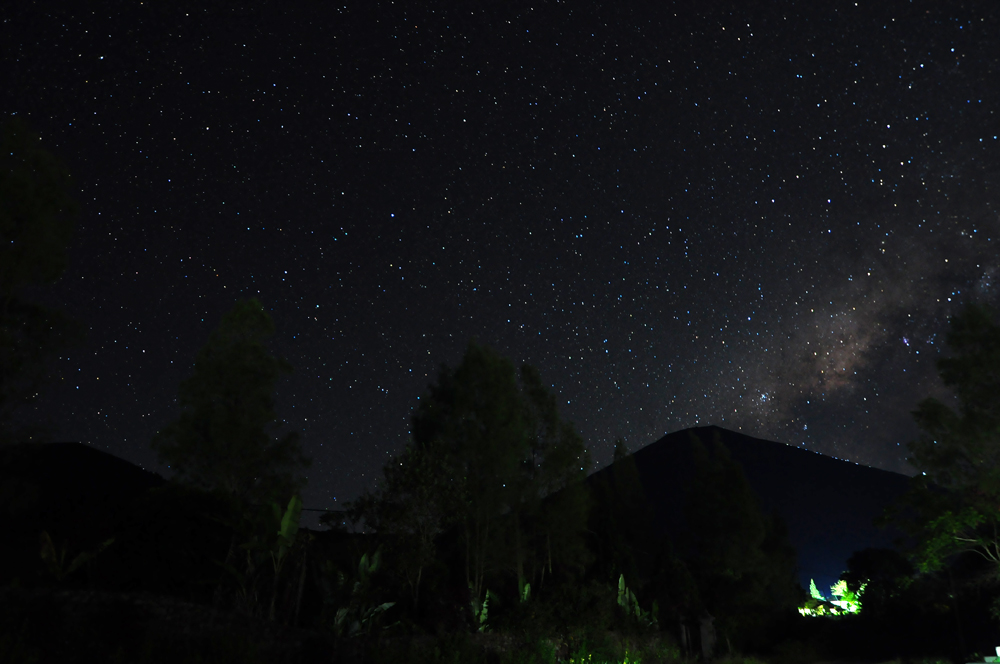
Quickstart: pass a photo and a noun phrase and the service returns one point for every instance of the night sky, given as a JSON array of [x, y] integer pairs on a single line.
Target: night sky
[[755, 215]]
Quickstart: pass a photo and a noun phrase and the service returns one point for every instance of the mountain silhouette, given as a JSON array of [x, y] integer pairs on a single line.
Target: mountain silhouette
[[828, 504], [77, 492]]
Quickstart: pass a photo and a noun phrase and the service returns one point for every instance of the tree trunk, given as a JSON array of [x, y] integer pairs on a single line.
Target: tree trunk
[[302, 583], [274, 589], [519, 556], [548, 547], [468, 555], [416, 589]]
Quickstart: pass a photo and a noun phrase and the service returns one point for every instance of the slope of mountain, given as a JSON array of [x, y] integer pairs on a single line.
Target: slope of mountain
[[828, 504]]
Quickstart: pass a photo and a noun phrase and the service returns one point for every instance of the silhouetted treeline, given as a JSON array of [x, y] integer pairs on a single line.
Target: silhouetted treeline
[[484, 539]]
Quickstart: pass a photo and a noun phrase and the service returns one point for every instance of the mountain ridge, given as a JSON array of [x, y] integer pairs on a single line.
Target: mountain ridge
[[827, 504]]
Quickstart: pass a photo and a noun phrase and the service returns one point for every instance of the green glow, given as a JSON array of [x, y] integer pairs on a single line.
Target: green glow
[[843, 602]]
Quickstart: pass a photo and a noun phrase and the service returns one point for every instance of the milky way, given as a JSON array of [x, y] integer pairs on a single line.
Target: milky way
[[759, 219]]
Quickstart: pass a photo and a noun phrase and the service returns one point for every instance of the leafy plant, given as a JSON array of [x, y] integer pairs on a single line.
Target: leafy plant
[[55, 560], [287, 534], [273, 537], [621, 653], [361, 614], [630, 604], [481, 610], [844, 601], [848, 601]]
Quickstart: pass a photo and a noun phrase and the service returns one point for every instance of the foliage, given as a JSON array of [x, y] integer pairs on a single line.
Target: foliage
[[55, 559], [36, 223], [621, 524], [269, 536], [36, 211], [464, 648], [616, 649], [630, 605], [476, 648], [726, 526], [622, 519], [289, 529], [843, 600], [492, 459], [575, 609], [672, 585], [284, 543], [740, 558], [410, 510], [846, 599], [814, 592], [361, 613], [222, 439], [882, 574], [952, 505], [481, 611]]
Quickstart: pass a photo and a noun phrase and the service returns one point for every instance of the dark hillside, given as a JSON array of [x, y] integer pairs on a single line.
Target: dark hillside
[[74, 492], [828, 504]]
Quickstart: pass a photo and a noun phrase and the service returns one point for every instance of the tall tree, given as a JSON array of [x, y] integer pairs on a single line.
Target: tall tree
[[223, 438], [36, 223], [515, 468], [622, 520], [409, 509], [954, 500], [880, 575], [740, 557], [552, 502]]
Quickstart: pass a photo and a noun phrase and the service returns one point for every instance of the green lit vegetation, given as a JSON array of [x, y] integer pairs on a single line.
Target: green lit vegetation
[[842, 600]]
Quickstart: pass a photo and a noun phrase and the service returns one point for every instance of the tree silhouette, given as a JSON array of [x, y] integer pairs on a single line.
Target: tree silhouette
[[740, 557], [880, 576], [622, 520], [491, 456], [223, 438], [959, 450], [36, 223], [410, 509], [552, 504]]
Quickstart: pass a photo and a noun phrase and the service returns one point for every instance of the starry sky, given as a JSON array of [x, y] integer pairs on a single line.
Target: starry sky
[[757, 215]]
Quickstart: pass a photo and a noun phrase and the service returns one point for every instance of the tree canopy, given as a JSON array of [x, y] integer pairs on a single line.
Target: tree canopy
[[222, 439], [954, 503], [740, 556], [36, 223], [622, 519], [492, 458]]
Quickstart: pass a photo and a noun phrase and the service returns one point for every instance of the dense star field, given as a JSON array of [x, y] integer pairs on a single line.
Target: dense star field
[[683, 214]]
